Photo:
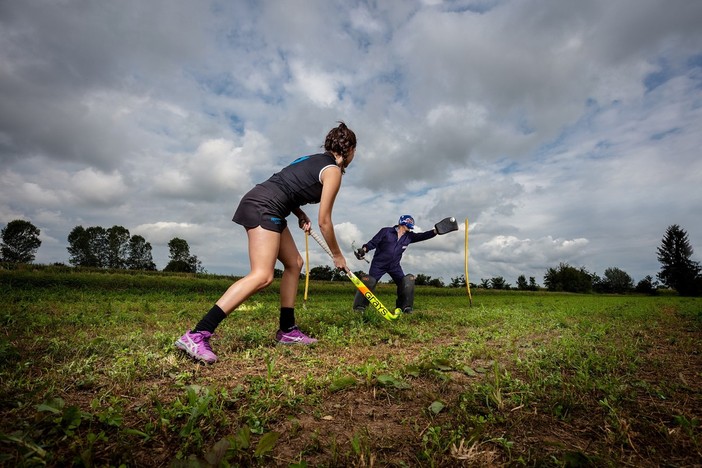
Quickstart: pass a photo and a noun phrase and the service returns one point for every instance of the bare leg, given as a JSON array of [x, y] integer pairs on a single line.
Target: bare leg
[[288, 333], [264, 248], [292, 266]]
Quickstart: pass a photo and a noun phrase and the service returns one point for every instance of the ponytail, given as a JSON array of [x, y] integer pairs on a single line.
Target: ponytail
[[340, 140]]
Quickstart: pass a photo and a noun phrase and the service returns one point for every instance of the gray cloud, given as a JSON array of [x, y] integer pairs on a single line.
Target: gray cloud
[[562, 130]]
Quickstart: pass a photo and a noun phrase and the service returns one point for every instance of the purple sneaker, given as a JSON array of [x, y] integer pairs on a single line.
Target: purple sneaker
[[197, 345], [294, 336]]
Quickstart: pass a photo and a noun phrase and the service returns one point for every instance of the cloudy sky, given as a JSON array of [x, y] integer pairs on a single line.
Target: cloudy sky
[[563, 130]]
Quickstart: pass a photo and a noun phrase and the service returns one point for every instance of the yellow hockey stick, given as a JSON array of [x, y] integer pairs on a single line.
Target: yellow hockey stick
[[367, 293]]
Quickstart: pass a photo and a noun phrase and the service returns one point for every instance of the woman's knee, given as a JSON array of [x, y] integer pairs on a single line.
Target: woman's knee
[[262, 279], [294, 266]]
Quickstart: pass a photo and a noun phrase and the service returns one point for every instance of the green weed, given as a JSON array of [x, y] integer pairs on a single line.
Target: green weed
[[89, 376]]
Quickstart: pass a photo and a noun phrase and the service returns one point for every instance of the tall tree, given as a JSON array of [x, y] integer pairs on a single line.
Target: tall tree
[[181, 260], [88, 247], [678, 271], [140, 257], [117, 247], [79, 247], [179, 249], [20, 241], [522, 284], [99, 245]]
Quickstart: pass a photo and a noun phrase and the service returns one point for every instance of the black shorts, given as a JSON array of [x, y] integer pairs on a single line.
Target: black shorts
[[260, 207]]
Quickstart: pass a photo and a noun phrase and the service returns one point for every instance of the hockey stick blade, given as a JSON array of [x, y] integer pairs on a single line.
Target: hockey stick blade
[[372, 299]]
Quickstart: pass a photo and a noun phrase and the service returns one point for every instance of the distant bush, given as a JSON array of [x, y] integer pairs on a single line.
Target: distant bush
[[568, 279]]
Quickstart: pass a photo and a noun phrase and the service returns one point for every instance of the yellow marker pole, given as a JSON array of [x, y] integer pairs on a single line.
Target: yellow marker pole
[[307, 268], [470, 298]]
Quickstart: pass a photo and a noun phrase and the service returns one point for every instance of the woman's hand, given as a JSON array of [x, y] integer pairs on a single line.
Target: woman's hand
[[340, 262], [304, 222]]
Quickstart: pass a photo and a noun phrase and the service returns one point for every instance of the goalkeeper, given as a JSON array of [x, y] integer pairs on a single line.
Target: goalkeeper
[[389, 245]]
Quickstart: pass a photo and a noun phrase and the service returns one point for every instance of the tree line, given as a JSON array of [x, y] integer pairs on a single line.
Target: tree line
[[678, 272], [115, 248], [97, 247]]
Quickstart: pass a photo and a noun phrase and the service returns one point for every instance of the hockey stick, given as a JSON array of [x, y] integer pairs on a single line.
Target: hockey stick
[[374, 301]]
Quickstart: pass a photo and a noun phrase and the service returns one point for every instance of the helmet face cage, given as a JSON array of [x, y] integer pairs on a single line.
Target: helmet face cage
[[407, 221]]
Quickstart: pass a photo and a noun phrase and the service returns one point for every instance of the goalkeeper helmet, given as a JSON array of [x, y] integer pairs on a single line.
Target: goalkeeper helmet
[[407, 221]]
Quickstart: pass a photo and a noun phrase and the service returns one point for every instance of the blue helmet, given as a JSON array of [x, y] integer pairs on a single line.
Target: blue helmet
[[406, 220]]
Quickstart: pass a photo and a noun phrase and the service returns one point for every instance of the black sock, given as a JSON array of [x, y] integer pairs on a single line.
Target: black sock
[[211, 320], [287, 318]]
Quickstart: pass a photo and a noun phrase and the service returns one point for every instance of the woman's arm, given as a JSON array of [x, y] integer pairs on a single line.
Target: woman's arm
[[331, 182], [302, 219]]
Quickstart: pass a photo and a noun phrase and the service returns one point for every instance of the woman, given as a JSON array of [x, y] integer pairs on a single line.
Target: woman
[[262, 211], [389, 244]]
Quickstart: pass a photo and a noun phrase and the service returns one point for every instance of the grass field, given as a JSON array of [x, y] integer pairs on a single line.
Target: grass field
[[89, 376]]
